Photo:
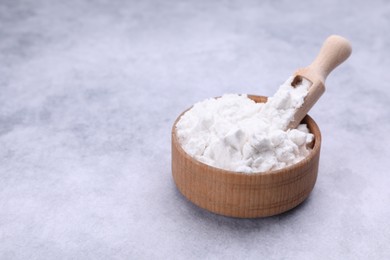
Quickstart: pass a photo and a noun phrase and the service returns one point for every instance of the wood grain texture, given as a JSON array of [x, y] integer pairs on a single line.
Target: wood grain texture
[[245, 195], [334, 51]]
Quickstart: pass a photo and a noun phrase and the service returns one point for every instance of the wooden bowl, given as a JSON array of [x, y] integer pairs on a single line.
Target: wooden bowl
[[245, 195]]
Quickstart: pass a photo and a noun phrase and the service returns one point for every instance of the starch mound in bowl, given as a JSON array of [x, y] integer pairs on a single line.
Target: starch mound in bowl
[[237, 134]]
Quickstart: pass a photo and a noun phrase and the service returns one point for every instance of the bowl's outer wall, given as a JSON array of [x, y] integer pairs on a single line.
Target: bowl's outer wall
[[245, 195]]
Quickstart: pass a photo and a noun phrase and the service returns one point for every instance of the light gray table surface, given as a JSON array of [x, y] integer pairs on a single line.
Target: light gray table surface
[[89, 91]]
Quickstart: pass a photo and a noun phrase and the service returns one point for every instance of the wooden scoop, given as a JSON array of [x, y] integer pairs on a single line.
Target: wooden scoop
[[334, 51]]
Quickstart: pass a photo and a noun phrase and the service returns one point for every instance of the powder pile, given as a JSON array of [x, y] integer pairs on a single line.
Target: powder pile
[[235, 133]]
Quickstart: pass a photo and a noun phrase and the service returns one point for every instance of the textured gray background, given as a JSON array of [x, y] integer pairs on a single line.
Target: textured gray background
[[88, 94]]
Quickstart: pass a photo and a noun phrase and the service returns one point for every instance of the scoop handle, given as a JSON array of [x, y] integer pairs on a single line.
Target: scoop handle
[[334, 51]]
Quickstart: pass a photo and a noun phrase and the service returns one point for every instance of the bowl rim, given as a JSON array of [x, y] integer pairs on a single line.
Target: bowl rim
[[313, 152]]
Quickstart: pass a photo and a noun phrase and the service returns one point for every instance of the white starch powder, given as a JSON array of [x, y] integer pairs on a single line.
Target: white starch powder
[[235, 133]]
